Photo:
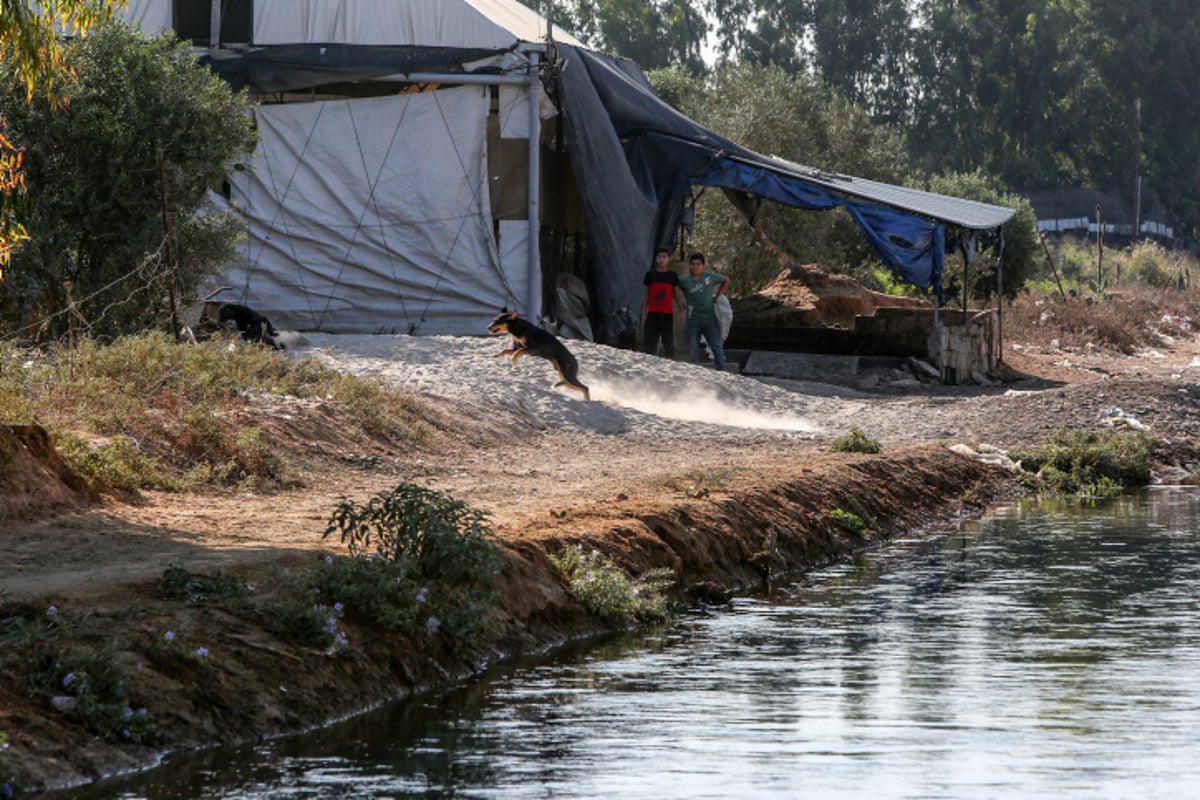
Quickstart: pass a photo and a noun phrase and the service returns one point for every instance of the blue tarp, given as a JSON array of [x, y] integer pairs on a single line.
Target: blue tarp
[[911, 246]]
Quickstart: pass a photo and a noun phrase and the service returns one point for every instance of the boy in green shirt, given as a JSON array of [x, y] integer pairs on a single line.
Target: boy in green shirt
[[701, 290]]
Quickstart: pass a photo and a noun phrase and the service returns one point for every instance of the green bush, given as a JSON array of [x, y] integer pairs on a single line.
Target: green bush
[[179, 584], [849, 520], [606, 592], [92, 162], [118, 464], [855, 442], [1146, 262], [1021, 252], [437, 557], [73, 663], [1087, 462]]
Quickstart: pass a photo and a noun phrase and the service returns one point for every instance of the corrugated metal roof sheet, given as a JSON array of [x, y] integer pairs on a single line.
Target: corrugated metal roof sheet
[[968, 214]]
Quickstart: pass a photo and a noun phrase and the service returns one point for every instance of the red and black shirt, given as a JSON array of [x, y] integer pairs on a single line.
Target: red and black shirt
[[660, 299]]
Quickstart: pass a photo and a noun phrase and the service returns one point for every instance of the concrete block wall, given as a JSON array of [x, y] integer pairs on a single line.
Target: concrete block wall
[[966, 352]]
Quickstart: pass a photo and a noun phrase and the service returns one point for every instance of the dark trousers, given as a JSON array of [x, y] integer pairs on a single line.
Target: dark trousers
[[659, 325]]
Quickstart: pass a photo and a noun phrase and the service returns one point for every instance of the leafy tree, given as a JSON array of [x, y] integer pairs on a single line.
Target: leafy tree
[[1147, 58], [799, 119], [31, 54], [1065, 93], [30, 44], [1021, 247], [97, 188], [863, 49], [654, 33], [1005, 87]]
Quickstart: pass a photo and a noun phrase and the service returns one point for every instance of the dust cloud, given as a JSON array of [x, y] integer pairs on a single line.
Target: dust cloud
[[695, 403]]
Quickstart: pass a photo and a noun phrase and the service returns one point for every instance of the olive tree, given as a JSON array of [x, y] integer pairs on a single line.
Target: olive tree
[[1015, 252], [126, 153], [797, 118]]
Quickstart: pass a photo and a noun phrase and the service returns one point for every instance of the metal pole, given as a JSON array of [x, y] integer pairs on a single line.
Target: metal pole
[[456, 78], [1137, 176], [214, 27], [1000, 298], [534, 289]]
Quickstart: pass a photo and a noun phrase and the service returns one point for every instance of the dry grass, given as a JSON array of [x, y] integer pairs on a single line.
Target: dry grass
[[1119, 321], [145, 412]]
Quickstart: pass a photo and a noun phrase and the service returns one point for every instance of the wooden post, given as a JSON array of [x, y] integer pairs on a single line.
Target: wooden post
[[1053, 268], [162, 189]]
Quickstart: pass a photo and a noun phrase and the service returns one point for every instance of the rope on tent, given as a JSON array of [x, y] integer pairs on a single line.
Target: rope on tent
[[370, 202], [373, 184], [279, 206], [509, 294]]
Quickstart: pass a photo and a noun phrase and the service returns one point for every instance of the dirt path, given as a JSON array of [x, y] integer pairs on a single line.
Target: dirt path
[[524, 476]]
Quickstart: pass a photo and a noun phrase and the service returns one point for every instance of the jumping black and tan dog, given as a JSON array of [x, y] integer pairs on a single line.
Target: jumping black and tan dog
[[529, 339]]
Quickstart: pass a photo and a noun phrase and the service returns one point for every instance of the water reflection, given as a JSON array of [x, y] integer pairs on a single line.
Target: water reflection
[[1049, 650]]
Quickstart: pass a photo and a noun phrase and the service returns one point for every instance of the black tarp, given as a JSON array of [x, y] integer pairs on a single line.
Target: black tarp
[[636, 160], [295, 67]]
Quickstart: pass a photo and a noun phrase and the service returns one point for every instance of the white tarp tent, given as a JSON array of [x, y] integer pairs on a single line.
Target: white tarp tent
[[373, 214], [486, 24]]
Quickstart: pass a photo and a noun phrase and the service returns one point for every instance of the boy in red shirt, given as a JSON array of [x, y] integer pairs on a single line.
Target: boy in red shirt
[[663, 296]]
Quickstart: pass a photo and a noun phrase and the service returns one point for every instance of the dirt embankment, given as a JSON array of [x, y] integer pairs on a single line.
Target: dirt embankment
[[728, 534]]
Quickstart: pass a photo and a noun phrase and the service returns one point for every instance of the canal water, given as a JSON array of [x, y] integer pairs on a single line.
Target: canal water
[[1045, 651]]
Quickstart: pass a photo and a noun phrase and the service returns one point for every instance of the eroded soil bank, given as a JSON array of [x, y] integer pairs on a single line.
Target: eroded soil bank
[[726, 538]]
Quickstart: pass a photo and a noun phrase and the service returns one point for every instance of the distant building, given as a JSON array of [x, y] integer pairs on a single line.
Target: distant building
[[1084, 212]]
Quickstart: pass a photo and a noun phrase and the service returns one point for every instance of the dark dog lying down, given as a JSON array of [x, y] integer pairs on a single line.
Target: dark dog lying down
[[253, 326], [529, 339]]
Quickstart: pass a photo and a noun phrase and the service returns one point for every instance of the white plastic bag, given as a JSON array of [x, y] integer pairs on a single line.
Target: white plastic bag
[[724, 315]]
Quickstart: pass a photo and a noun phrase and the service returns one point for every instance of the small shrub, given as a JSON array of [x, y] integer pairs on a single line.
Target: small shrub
[[255, 457], [606, 592], [447, 539], [698, 481], [300, 620], [179, 584], [1148, 263], [849, 521], [855, 442], [443, 560], [1087, 462], [118, 464], [169, 649], [203, 436], [73, 663]]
